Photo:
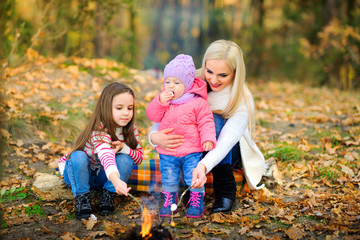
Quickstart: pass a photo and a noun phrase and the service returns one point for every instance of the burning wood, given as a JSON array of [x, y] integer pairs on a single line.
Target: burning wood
[[146, 231], [146, 225], [157, 233]]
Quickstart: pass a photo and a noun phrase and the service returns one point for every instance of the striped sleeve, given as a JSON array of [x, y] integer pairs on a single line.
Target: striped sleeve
[[101, 142], [136, 154], [63, 158], [61, 164]]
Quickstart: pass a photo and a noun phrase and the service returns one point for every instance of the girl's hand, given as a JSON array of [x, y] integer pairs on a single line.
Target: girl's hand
[[121, 187], [166, 96], [208, 145], [117, 145], [199, 177], [165, 140]]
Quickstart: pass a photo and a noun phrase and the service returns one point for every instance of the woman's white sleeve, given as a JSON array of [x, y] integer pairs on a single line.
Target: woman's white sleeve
[[230, 135], [155, 128]]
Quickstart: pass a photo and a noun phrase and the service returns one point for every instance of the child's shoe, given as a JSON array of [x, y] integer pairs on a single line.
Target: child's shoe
[[197, 207], [106, 202], [83, 206], [170, 198]]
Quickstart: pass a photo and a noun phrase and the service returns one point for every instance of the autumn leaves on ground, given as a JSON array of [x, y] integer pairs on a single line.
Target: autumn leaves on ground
[[312, 135]]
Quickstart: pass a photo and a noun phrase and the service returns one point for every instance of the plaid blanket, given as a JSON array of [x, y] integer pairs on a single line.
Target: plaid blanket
[[146, 177]]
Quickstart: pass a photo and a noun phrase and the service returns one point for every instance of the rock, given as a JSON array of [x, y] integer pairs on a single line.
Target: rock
[[50, 187], [272, 170]]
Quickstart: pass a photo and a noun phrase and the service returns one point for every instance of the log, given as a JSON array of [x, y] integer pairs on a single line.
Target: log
[[50, 187]]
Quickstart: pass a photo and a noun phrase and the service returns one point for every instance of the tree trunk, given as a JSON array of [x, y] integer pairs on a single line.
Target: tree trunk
[[350, 12], [256, 52], [133, 40], [176, 41], [151, 60], [331, 10], [99, 38]]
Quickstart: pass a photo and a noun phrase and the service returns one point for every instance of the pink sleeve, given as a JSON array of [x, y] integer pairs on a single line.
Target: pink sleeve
[[63, 158], [206, 123], [106, 154], [156, 110]]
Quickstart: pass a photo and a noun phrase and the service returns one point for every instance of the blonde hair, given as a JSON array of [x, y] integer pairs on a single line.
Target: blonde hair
[[232, 54], [102, 119]]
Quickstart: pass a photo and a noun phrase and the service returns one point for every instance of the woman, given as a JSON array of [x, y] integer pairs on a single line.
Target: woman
[[230, 100]]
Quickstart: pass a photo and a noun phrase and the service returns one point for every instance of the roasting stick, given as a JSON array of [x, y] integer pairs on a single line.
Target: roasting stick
[[136, 201], [174, 206]]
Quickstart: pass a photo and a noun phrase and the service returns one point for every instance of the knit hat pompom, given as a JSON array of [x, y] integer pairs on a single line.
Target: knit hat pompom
[[183, 68]]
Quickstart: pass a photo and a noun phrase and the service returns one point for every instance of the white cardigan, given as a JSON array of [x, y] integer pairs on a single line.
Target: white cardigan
[[234, 131]]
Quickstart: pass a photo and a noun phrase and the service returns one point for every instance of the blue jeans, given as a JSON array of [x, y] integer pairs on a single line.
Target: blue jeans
[[234, 153], [170, 168], [81, 178]]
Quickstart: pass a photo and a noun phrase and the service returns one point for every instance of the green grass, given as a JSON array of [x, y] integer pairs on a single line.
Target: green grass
[[56, 105], [286, 152], [70, 216], [13, 194], [123, 70], [67, 129], [71, 127], [317, 135], [328, 173], [43, 121], [254, 217], [35, 210], [280, 224], [3, 223], [264, 123], [17, 127]]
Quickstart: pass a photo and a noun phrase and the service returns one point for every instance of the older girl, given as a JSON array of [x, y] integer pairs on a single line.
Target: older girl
[[104, 154]]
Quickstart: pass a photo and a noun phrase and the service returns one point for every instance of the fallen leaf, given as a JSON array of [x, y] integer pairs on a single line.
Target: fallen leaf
[[243, 230], [5, 133], [69, 236], [347, 170], [90, 223], [295, 233]]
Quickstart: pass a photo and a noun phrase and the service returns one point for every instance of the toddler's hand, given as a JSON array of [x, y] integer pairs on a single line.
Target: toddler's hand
[[117, 145], [208, 145], [166, 96]]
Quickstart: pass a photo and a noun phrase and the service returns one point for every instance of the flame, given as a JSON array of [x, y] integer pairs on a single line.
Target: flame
[[146, 225]]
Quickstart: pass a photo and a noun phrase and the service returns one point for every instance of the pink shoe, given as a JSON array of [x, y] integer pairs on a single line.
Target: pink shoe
[[170, 198], [197, 207]]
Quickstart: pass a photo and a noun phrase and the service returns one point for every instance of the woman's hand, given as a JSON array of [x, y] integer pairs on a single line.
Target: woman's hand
[[199, 176], [121, 187], [165, 140], [117, 145]]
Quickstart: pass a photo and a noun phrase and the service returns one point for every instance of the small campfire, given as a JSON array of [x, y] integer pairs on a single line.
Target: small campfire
[[146, 231], [146, 225], [157, 232]]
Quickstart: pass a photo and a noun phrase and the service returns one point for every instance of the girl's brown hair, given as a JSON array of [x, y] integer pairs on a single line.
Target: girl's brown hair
[[102, 119]]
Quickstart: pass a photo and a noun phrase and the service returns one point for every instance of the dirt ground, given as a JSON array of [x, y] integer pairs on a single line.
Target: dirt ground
[[312, 195]]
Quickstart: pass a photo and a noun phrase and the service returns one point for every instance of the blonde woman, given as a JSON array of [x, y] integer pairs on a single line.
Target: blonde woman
[[230, 100]]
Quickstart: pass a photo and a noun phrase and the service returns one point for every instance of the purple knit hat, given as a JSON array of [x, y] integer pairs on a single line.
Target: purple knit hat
[[183, 68]]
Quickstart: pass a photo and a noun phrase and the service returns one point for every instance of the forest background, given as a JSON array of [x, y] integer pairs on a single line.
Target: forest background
[[303, 69], [316, 42]]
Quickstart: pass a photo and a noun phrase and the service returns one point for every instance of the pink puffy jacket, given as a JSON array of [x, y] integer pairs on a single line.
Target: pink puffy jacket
[[193, 120]]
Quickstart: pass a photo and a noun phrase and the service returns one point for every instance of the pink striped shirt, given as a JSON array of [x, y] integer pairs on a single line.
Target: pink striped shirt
[[99, 144]]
